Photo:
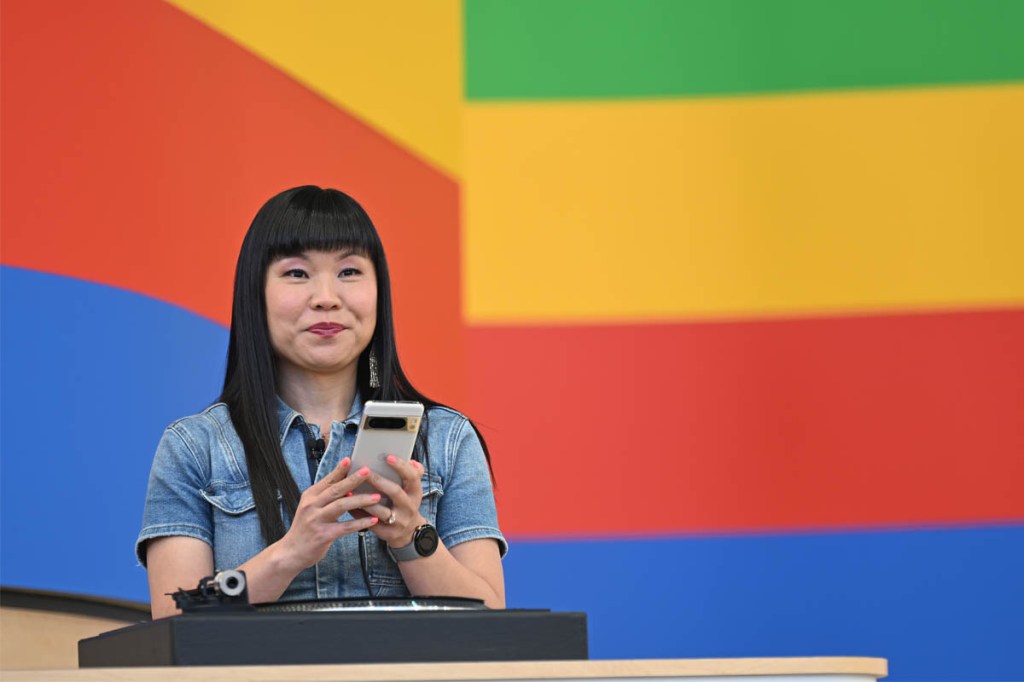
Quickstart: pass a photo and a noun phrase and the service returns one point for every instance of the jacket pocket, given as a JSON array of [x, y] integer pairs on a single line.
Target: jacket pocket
[[230, 498], [236, 525]]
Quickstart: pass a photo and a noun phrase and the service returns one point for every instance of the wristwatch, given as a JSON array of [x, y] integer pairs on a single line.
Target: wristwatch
[[424, 543]]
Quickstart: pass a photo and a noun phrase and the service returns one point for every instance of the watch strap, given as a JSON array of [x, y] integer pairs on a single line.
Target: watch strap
[[411, 551], [406, 552]]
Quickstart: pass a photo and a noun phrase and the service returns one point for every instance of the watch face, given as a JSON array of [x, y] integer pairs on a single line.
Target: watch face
[[425, 540]]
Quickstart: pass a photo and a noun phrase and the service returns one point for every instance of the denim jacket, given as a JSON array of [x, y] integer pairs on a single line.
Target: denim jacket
[[199, 488]]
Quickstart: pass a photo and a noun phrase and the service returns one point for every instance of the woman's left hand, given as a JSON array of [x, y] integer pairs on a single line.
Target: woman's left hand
[[398, 523], [470, 569]]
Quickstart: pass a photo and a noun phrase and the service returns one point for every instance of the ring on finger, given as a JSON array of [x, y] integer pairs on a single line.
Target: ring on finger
[[391, 519]]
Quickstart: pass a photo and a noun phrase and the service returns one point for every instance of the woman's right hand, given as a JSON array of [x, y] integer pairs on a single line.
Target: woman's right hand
[[316, 523]]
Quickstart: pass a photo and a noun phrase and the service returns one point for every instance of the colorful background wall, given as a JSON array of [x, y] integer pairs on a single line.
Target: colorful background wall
[[734, 288]]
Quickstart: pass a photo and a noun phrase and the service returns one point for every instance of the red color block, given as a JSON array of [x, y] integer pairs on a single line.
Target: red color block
[[138, 144], [747, 426]]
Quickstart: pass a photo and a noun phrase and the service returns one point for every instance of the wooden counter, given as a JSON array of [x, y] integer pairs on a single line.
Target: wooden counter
[[825, 669]]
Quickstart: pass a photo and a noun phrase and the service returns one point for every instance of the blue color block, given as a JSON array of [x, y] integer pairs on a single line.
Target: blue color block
[[91, 377], [939, 604]]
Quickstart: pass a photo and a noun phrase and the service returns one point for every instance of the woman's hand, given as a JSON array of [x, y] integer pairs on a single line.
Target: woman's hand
[[316, 523], [471, 569], [176, 561], [397, 523]]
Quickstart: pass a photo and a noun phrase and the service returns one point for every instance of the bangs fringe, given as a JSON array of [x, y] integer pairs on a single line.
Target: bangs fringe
[[317, 219]]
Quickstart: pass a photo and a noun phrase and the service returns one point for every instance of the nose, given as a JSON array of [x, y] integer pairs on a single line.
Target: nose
[[325, 294]]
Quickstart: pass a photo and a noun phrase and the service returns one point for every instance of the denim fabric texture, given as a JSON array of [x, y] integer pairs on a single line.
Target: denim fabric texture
[[199, 488]]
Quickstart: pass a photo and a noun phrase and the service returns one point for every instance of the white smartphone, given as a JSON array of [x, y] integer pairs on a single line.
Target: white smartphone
[[387, 428]]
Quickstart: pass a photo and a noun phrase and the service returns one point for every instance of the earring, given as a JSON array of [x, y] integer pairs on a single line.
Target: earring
[[374, 375]]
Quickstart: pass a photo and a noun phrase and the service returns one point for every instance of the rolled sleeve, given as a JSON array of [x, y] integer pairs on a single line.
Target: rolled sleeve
[[467, 510], [174, 502]]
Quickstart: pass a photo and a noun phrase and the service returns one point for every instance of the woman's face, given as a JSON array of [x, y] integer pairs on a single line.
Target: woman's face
[[321, 310]]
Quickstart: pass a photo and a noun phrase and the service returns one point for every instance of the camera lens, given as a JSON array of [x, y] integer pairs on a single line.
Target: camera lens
[[393, 423]]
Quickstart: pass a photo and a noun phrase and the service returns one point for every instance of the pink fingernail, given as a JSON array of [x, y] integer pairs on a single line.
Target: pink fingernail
[[373, 520], [365, 471], [392, 459], [346, 461], [348, 494], [375, 498]]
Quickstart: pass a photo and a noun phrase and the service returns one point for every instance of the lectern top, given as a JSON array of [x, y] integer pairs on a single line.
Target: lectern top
[[852, 668]]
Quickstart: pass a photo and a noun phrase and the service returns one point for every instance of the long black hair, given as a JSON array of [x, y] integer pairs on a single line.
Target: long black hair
[[301, 219]]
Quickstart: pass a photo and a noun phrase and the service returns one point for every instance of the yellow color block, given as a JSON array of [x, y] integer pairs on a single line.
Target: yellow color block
[[395, 65], [739, 207]]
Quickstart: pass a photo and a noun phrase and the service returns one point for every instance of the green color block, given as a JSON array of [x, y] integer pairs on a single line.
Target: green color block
[[571, 49]]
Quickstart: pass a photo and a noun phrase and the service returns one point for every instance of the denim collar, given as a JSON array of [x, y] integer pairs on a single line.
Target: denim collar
[[286, 416]]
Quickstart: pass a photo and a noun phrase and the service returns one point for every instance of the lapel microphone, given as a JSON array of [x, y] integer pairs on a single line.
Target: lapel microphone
[[315, 447]]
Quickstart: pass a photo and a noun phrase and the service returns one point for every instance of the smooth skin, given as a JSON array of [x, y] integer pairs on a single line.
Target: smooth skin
[[317, 377]]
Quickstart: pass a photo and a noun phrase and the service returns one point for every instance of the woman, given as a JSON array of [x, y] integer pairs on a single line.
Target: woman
[[312, 337]]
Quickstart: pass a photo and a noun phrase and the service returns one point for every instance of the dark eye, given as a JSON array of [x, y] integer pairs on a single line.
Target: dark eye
[[348, 272], [295, 272]]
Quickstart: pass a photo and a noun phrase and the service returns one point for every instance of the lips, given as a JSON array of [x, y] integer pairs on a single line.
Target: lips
[[326, 328]]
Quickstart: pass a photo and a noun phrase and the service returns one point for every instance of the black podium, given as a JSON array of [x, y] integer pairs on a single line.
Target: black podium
[[258, 638]]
